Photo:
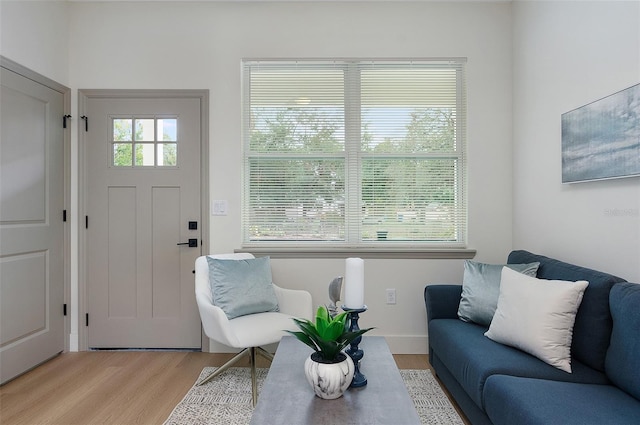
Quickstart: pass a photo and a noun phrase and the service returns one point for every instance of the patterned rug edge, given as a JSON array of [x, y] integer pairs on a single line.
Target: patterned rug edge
[[227, 399]]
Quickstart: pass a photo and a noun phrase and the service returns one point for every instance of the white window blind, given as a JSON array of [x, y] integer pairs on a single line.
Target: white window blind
[[354, 153]]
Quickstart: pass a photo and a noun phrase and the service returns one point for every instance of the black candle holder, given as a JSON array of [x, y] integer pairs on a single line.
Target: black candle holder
[[356, 354]]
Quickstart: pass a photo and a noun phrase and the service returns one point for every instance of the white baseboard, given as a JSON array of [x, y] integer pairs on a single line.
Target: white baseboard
[[407, 344], [74, 344]]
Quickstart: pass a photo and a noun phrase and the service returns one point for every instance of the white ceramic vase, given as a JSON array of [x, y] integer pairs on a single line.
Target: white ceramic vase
[[329, 380]]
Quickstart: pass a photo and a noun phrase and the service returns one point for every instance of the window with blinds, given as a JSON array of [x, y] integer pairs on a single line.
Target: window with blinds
[[354, 153]]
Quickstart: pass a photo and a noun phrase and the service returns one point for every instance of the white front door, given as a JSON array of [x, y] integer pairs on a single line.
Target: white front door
[[31, 224], [143, 206]]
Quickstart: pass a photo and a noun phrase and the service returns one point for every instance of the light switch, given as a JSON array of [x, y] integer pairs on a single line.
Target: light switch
[[219, 207]]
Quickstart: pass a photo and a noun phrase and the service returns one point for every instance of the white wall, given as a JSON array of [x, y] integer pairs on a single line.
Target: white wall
[[567, 54], [187, 45], [564, 55], [35, 35], [200, 45]]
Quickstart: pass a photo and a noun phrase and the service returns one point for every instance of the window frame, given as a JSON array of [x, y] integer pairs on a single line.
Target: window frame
[[353, 241], [155, 142]]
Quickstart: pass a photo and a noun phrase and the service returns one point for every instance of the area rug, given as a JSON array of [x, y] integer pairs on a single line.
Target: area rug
[[227, 399]]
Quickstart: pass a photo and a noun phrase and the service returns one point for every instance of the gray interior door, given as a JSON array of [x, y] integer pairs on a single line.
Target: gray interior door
[[31, 224], [143, 209]]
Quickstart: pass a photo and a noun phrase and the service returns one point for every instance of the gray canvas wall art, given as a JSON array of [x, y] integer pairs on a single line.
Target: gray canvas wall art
[[601, 140]]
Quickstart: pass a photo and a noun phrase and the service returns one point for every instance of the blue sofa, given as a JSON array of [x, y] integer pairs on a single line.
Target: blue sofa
[[497, 384]]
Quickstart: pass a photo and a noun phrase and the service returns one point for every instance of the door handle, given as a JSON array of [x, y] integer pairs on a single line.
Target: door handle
[[193, 243]]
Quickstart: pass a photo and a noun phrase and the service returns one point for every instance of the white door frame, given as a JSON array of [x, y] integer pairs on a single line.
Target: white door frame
[[66, 92], [83, 98]]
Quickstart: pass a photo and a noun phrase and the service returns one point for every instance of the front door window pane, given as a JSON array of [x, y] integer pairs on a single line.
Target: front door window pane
[[145, 154], [167, 154], [122, 130], [167, 130], [144, 142], [122, 154], [144, 130]]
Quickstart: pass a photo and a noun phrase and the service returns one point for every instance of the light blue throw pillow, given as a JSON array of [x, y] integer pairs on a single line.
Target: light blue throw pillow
[[481, 288], [241, 287]]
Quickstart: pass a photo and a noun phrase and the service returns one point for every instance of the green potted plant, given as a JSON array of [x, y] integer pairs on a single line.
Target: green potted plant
[[328, 369]]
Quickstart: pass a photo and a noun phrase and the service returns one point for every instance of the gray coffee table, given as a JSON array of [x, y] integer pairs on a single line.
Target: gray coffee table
[[287, 397]]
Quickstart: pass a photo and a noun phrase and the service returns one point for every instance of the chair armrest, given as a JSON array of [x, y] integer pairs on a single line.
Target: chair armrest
[[294, 302], [442, 301], [216, 324]]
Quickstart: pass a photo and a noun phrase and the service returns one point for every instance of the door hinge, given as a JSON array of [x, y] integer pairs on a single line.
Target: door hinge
[[64, 215], [86, 221], [64, 309], [86, 122], [64, 120], [86, 319]]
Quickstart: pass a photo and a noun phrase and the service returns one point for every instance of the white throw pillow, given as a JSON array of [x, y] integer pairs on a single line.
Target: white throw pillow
[[537, 316]]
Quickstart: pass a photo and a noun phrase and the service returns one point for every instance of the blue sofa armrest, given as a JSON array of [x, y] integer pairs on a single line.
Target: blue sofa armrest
[[442, 301]]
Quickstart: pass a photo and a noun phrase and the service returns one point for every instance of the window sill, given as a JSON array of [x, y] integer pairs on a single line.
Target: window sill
[[386, 252]]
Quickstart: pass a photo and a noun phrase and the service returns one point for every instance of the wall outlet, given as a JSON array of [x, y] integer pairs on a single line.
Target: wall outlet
[[219, 207], [391, 296]]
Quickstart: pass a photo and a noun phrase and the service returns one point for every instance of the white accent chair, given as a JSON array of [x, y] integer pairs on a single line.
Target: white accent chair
[[248, 332]]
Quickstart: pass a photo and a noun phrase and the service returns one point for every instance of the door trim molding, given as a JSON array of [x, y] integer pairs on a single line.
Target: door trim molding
[[84, 95], [34, 76], [25, 72]]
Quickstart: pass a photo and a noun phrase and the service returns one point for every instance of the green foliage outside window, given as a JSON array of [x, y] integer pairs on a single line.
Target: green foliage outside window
[[308, 194]]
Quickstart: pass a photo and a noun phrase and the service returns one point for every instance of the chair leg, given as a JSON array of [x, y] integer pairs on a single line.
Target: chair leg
[[225, 366], [254, 382], [254, 385], [252, 351], [264, 353]]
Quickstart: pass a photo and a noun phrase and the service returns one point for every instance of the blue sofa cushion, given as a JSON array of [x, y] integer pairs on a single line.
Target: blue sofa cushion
[[452, 339], [592, 328], [623, 357], [474, 414], [524, 401]]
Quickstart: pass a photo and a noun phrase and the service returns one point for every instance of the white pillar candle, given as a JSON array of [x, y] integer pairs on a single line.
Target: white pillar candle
[[354, 283]]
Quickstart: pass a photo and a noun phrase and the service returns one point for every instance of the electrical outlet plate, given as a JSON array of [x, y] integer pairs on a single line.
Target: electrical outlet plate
[[391, 296], [219, 207]]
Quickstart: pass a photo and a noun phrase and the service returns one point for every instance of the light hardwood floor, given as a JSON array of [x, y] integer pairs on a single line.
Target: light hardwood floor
[[115, 387]]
